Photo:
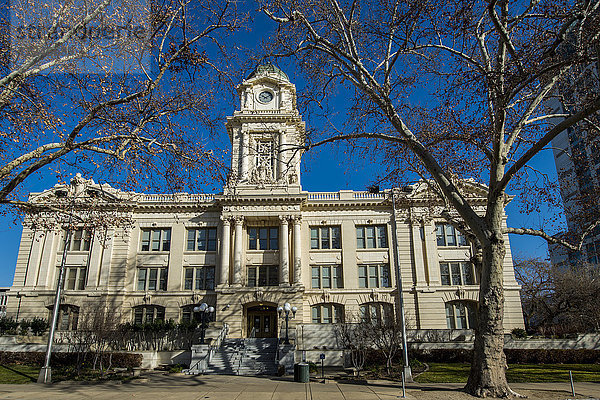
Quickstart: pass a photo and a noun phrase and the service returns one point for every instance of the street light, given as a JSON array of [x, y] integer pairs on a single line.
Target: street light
[[205, 314], [285, 311]]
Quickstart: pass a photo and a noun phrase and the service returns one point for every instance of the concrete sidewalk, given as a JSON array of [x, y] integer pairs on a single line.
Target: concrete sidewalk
[[183, 387]]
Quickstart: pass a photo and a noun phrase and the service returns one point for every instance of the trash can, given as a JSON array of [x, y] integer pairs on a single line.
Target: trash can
[[301, 372]]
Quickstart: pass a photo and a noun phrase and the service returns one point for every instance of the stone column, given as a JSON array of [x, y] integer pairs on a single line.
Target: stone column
[[225, 239], [284, 253], [297, 250], [237, 256]]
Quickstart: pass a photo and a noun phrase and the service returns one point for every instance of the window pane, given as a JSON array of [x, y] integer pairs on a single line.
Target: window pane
[[439, 233], [373, 276], [145, 240], [337, 314], [316, 314], [142, 279], [362, 276], [467, 273], [210, 278], [324, 238], [326, 278], [263, 239], [450, 238], [461, 317], [77, 240], [138, 315], [163, 279], [314, 238], [445, 273], [155, 240], [262, 275], [274, 238], [86, 240], [81, 279], [382, 236], [326, 310], [335, 238], [337, 277], [189, 277], [199, 278], [202, 239], [363, 312], [455, 269], [166, 240], [370, 239], [252, 238], [462, 241], [450, 316], [273, 275], [360, 238], [212, 240], [251, 276], [384, 274], [152, 279], [71, 275], [191, 239], [160, 313], [315, 281]]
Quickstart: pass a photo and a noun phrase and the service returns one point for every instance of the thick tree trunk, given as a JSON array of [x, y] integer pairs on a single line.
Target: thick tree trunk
[[488, 368]]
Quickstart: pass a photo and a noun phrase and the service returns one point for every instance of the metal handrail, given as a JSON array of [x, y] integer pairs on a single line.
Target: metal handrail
[[212, 347]]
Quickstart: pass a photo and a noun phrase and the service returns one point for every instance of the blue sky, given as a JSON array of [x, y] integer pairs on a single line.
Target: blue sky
[[324, 169]]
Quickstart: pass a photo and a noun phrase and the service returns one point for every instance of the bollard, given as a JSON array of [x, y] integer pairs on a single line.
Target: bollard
[[403, 387], [572, 387]]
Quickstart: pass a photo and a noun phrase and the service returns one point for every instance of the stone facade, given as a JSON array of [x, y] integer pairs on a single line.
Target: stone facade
[[262, 242]]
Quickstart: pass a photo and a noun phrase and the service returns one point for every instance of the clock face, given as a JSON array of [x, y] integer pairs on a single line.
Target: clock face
[[265, 96]]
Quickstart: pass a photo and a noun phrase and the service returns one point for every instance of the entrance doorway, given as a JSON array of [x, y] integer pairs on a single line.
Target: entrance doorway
[[262, 321]]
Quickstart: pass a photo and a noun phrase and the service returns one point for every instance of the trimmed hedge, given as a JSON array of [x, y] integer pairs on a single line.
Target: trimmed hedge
[[514, 356], [119, 360]]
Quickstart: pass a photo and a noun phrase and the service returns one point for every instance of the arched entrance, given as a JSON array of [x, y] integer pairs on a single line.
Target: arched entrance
[[261, 320]]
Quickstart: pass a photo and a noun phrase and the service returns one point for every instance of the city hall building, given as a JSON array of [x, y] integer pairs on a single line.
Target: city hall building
[[262, 242]]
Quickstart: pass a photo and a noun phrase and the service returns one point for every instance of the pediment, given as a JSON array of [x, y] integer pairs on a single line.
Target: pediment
[[80, 190]]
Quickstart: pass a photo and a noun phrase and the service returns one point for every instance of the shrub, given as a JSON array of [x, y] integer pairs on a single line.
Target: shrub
[[38, 326], [8, 326], [514, 356], [24, 327], [65, 360]]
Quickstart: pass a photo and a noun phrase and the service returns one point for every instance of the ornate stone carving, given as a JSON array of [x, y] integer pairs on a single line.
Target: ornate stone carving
[[148, 298]]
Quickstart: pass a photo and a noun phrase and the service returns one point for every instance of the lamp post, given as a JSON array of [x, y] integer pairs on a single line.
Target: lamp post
[[205, 314], [284, 312]]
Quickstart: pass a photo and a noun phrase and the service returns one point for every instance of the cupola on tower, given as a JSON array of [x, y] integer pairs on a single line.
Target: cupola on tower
[[267, 135]]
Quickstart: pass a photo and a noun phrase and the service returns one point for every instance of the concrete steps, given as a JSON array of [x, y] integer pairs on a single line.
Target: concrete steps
[[254, 356]]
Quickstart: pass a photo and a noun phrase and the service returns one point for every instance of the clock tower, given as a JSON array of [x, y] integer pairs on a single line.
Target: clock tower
[[267, 135]]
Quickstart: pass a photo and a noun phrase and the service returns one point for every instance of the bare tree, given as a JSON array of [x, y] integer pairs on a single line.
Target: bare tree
[[535, 278], [117, 88], [489, 70], [352, 337]]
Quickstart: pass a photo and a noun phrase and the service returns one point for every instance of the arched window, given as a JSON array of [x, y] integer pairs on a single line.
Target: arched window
[[327, 313], [461, 314], [148, 313], [68, 317], [377, 312]]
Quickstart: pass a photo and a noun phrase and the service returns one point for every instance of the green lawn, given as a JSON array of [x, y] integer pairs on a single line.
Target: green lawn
[[18, 374], [458, 373]]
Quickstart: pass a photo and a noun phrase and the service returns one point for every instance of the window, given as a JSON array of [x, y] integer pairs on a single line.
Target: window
[[142, 314], [371, 237], [448, 236], [68, 317], [263, 275], [74, 278], [263, 238], [374, 276], [325, 237], [327, 313], [377, 312], [327, 277], [152, 279], [202, 239], [461, 315], [199, 278], [457, 273], [156, 239], [80, 240]]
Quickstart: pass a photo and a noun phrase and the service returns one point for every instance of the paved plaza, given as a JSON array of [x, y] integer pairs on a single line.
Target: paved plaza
[[182, 387]]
